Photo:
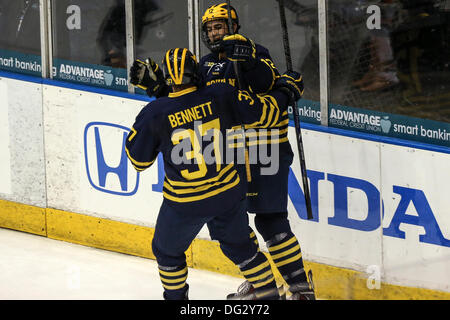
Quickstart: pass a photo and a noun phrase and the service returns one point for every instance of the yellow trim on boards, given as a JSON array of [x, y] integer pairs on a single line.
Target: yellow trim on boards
[[22, 217], [332, 283], [99, 233]]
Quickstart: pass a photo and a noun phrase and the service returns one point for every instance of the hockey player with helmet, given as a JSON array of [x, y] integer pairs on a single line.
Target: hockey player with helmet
[[197, 190], [267, 195]]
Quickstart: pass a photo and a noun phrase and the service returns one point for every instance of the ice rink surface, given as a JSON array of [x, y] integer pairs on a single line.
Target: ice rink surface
[[73, 278], [38, 268]]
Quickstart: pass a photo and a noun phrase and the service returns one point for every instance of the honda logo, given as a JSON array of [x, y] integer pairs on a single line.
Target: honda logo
[[107, 166]]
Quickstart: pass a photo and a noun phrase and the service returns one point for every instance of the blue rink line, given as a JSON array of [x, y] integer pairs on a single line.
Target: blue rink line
[[304, 125]]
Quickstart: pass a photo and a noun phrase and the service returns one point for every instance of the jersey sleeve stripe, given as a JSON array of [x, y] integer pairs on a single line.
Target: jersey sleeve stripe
[[139, 164]]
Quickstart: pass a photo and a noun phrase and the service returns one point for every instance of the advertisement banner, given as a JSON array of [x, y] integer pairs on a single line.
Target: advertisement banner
[[20, 62], [390, 125], [90, 74], [308, 110], [375, 122]]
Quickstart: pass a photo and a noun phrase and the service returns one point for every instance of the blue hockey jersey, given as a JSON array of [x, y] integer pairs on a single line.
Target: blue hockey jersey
[[215, 70], [191, 129]]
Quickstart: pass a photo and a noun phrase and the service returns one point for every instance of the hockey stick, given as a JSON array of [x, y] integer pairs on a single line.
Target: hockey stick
[[238, 79], [287, 53]]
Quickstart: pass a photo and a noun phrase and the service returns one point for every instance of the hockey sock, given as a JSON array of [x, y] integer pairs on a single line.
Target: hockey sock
[[287, 256], [257, 271], [174, 282], [283, 246]]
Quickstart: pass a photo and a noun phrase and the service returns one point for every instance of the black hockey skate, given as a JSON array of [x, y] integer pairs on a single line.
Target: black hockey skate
[[247, 292], [184, 295], [304, 290]]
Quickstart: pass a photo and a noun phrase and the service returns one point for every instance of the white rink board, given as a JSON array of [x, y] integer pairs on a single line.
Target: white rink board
[[346, 157], [426, 176], [73, 169], [5, 155], [21, 143], [411, 183]]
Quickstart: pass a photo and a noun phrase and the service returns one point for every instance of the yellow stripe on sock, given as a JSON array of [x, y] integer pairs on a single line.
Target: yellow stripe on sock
[[174, 287], [173, 274], [285, 253], [173, 280], [282, 245], [259, 285], [284, 262], [260, 277], [256, 269]]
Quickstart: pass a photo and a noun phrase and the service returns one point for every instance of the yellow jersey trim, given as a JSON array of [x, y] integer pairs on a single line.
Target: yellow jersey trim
[[182, 92], [138, 163]]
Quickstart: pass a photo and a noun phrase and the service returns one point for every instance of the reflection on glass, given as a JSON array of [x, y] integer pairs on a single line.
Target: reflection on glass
[[159, 26], [260, 21], [390, 56], [89, 42], [89, 31], [20, 46]]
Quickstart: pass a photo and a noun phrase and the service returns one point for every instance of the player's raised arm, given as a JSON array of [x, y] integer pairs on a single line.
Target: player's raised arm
[[141, 144], [264, 111]]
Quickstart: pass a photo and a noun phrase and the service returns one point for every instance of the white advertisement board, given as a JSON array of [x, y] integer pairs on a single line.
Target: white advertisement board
[[22, 165], [416, 224], [344, 175], [380, 207], [87, 168], [5, 155]]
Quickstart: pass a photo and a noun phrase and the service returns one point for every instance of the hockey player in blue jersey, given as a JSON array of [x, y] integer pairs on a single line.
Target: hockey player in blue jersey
[[201, 184], [267, 195]]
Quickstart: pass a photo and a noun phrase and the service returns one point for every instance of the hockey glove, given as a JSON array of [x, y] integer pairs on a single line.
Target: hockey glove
[[147, 75], [291, 82], [241, 49]]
